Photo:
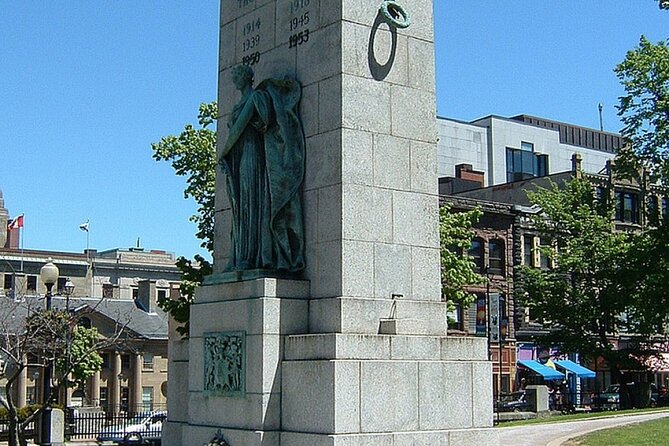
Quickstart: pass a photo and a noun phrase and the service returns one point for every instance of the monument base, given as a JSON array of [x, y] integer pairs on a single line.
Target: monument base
[[202, 435], [323, 388]]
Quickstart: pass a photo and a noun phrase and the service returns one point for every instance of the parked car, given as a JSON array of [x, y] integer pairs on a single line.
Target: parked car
[[142, 429], [513, 402], [609, 399]]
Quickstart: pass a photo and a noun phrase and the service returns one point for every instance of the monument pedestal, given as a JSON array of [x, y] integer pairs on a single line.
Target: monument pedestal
[[348, 389], [323, 389], [258, 313]]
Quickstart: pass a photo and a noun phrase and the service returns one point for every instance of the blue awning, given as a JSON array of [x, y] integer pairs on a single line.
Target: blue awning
[[537, 367], [577, 369]]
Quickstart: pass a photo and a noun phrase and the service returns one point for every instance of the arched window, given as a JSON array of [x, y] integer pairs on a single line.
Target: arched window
[[496, 257], [476, 253]]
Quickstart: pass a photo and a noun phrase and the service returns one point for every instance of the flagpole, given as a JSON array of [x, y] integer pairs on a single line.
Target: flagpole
[[21, 229]]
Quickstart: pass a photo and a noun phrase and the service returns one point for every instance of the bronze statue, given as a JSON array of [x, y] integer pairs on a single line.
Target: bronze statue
[[263, 159]]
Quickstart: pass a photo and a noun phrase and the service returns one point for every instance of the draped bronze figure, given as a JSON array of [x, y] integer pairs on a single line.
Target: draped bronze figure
[[263, 159]]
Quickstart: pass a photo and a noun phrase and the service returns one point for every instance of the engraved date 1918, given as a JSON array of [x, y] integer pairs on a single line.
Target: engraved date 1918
[[296, 5]]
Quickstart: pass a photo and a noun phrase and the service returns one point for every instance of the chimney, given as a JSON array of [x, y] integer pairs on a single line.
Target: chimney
[[466, 172], [576, 164], [146, 295]]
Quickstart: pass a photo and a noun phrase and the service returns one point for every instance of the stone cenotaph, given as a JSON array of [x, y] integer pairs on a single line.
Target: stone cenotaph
[[323, 323]]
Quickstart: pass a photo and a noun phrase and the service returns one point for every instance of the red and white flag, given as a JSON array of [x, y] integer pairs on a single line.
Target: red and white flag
[[16, 223]]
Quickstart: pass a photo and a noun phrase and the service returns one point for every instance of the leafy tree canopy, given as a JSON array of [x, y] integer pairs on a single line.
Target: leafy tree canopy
[[591, 294], [457, 268], [193, 154], [644, 108]]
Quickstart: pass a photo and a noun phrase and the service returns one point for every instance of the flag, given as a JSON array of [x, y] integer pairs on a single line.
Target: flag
[[16, 223], [84, 226]]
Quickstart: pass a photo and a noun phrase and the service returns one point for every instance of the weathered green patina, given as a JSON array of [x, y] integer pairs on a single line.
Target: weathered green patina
[[263, 159], [225, 363]]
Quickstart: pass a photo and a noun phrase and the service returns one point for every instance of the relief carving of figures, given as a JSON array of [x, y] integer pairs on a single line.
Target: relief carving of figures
[[263, 159], [223, 363]]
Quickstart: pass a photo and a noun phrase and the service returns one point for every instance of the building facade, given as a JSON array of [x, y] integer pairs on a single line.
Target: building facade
[[506, 150], [116, 292]]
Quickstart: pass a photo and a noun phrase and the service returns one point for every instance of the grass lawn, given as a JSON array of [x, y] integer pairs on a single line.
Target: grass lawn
[[582, 416], [650, 433]]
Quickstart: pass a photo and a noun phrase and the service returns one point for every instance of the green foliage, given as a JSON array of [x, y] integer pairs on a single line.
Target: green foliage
[[457, 268], [592, 292], [644, 108], [193, 154], [80, 358], [192, 277]]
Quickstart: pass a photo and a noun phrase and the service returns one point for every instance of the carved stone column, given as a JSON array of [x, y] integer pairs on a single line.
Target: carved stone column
[[136, 383], [114, 384]]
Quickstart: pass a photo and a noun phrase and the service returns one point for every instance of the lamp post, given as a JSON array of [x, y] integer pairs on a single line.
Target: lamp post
[[68, 289], [489, 276], [49, 275]]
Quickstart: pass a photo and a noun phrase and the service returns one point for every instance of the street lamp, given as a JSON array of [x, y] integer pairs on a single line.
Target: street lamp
[[68, 289], [49, 276]]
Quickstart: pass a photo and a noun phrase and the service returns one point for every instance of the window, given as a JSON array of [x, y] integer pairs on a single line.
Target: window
[[544, 260], [496, 257], [31, 395], [476, 253], [541, 168], [523, 163], [135, 293], [60, 286], [105, 360], [125, 362], [652, 208], [31, 283], [147, 398], [600, 195], [107, 291], [627, 209], [104, 398], [125, 399], [8, 282], [526, 146], [147, 361], [162, 294], [528, 250]]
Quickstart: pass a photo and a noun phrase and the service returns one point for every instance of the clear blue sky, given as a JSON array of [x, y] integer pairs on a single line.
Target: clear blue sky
[[87, 86]]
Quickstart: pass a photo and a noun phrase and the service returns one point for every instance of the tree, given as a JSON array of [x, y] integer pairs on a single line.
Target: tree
[[644, 108], [457, 268], [52, 337], [193, 154], [592, 294]]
